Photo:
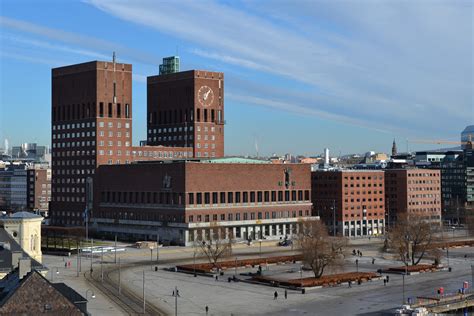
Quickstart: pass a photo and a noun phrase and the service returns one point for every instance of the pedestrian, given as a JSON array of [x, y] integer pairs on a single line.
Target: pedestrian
[[69, 264], [373, 260], [177, 293], [360, 253], [207, 309], [275, 295], [384, 282], [217, 278], [286, 294], [172, 294], [350, 283], [388, 279], [65, 264]]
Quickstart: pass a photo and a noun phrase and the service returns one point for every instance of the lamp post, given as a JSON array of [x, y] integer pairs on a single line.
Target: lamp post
[[119, 279], [101, 264], [144, 302], [92, 293], [151, 258], [52, 273], [403, 276], [334, 218], [157, 248], [176, 301], [357, 265], [194, 264], [92, 251], [260, 252]]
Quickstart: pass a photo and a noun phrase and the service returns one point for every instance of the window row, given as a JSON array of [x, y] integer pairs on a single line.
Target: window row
[[247, 197], [245, 216], [73, 126]]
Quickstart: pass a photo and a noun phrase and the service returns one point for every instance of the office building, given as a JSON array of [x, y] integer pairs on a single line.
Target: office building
[[350, 202], [413, 191]]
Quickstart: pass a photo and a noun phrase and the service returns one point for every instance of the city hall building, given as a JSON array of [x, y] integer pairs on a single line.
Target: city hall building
[[176, 183], [182, 201]]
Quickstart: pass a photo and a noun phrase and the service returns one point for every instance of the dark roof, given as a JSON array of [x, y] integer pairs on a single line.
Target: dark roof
[[69, 293]]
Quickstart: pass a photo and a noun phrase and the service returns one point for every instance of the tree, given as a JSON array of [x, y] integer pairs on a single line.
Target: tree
[[411, 237], [214, 246], [318, 248]]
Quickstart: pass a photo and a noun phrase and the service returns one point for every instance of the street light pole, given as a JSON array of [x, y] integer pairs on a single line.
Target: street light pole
[[403, 276], [151, 258], [194, 259], [78, 260], [115, 249], [91, 251], [157, 247], [176, 301], [144, 292], [101, 263], [260, 253], [119, 279], [235, 267]]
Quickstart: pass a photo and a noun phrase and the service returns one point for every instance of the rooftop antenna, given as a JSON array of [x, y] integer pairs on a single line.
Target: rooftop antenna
[[256, 145], [115, 83]]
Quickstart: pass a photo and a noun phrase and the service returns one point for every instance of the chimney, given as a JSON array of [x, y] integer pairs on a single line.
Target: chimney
[[24, 267], [16, 256]]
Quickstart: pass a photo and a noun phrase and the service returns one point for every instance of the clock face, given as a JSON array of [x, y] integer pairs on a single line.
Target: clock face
[[205, 96]]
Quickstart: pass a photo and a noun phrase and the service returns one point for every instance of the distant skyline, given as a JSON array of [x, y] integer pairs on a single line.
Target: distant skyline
[[299, 75]]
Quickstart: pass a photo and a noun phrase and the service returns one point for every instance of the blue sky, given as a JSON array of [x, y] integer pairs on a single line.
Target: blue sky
[[300, 75]]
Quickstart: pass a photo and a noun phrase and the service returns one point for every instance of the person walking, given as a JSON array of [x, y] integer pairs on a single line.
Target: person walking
[[388, 279], [350, 283], [384, 282], [275, 295], [373, 260], [286, 294], [207, 309]]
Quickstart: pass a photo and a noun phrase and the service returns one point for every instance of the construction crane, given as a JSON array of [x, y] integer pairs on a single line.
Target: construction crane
[[439, 142]]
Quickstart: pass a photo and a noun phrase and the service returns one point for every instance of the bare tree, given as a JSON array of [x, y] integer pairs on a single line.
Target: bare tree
[[214, 246], [411, 237], [318, 248]]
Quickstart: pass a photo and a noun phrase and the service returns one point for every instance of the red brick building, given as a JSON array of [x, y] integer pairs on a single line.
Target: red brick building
[[38, 192], [186, 109], [92, 126], [350, 202], [181, 200], [416, 191]]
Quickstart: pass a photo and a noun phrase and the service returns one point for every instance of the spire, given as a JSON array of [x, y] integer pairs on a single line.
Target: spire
[[394, 148]]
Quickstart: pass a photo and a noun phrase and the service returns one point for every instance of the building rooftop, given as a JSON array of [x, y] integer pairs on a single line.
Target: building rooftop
[[235, 160], [24, 215]]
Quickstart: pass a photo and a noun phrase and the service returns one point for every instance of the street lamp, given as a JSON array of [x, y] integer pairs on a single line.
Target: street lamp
[[151, 258], [92, 292], [52, 274], [357, 265]]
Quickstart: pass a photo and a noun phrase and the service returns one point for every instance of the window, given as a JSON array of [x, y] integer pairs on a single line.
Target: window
[[222, 197], [127, 112], [109, 112], [101, 109]]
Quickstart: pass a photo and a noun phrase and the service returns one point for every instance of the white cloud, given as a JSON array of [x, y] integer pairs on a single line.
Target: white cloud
[[374, 61]]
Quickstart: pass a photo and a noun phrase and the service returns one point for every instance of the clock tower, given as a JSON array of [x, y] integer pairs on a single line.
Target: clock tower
[[186, 109]]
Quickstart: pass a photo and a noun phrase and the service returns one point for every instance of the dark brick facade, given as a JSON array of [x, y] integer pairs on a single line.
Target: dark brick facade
[[355, 197], [193, 194], [186, 109], [413, 191]]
